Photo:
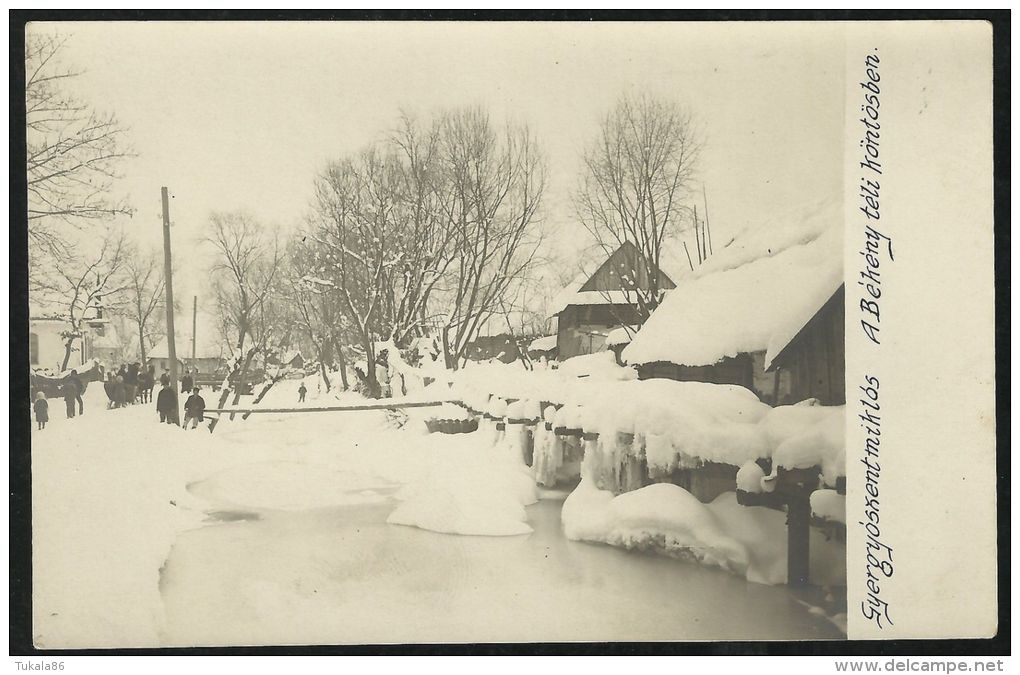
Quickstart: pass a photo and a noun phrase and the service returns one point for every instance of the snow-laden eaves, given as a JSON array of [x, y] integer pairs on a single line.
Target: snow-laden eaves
[[753, 295]]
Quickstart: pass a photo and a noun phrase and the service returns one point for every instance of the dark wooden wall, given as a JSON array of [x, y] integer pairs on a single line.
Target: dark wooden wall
[[735, 370], [816, 357]]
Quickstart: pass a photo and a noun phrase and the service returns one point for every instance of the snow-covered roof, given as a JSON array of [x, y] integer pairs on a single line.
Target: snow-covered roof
[[207, 346], [573, 295], [625, 266], [754, 294], [543, 344]]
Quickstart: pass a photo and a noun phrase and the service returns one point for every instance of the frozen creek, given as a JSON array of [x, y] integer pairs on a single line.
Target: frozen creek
[[273, 531], [343, 575]]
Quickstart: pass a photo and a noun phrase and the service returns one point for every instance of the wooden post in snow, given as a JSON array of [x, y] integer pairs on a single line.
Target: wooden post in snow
[[169, 287], [688, 252], [194, 322], [798, 548]]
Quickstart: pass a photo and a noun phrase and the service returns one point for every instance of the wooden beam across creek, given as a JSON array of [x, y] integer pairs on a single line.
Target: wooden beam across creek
[[387, 405]]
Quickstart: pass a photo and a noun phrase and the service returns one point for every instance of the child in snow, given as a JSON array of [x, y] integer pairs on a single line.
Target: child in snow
[[42, 410], [166, 404], [302, 390], [194, 409]]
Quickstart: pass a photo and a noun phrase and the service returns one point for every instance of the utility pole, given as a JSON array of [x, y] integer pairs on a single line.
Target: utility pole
[[194, 321], [170, 335]]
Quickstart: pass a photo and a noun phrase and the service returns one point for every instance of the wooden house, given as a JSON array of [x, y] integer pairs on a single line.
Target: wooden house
[[815, 357], [593, 305], [765, 312], [206, 353]]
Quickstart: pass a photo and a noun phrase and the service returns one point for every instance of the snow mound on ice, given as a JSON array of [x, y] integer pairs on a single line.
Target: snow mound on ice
[[665, 518], [479, 493], [662, 517], [283, 486]]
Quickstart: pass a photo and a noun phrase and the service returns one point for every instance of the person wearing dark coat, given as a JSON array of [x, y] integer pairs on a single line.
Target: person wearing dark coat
[[166, 405], [145, 386], [187, 382], [164, 379], [42, 410], [131, 382], [79, 389], [69, 393], [302, 390], [194, 409], [108, 387], [119, 393]]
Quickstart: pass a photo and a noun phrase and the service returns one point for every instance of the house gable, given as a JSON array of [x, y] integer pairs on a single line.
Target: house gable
[[615, 273]]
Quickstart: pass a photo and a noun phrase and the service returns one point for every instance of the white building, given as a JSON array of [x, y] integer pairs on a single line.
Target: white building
[[46, 341]]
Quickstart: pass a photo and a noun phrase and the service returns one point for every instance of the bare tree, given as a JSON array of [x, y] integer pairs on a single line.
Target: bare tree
[[358, 222], [144, 282], [73, 152], [315, 300], [428, 245], [637, 176], [433, 228], [496, 181], [85, 286], [247, 261]]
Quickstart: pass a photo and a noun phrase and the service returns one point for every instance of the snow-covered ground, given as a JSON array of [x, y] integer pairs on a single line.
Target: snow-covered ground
[[343, 528]]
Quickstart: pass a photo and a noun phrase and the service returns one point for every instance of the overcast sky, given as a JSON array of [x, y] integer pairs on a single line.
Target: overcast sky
[[243, 115]]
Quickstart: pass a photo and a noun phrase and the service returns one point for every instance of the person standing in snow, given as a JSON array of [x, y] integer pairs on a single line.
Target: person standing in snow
[[109, 387], [119, 393], [42, 410], [69, 393], [164, 379], [194, 409], [166, 404], [144, 385], [302, 390], [130, 385], [79, 389], [187, 382]]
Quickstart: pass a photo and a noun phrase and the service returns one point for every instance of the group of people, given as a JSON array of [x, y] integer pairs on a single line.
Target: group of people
[[166, 402], [129, 385]]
